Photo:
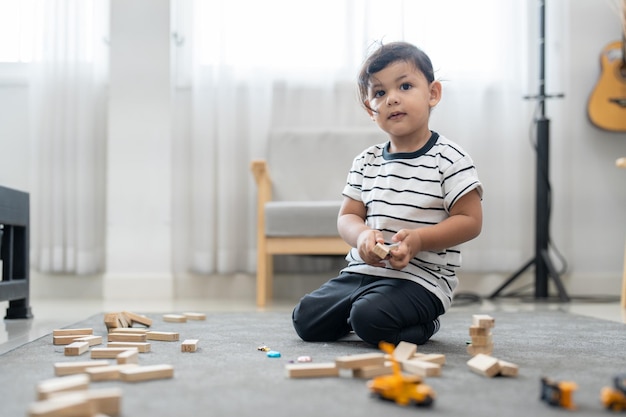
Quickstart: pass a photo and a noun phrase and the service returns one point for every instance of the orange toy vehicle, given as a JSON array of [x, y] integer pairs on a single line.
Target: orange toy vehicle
[[403, 389], [615, 398]]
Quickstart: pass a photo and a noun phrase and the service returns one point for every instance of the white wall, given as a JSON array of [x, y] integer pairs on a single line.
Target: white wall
[[589, 214]]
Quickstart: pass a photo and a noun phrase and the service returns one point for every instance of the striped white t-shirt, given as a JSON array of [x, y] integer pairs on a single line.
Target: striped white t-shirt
[[412, 190]]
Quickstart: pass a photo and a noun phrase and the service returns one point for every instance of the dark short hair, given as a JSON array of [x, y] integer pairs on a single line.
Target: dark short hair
[[389, 53]]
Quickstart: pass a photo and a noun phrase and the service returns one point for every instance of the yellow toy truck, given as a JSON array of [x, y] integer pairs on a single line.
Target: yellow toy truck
[[403, 389], [614, 398]]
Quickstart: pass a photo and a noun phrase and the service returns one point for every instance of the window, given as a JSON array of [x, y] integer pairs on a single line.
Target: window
[[16, 31]]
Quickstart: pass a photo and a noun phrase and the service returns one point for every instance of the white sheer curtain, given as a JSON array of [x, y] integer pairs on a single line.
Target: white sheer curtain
[[252, 66], [69, 136]]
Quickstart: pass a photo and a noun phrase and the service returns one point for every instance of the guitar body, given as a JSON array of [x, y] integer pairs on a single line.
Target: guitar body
[[607, 103]]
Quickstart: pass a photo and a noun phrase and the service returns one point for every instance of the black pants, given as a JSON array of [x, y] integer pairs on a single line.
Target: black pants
[[376, 308]]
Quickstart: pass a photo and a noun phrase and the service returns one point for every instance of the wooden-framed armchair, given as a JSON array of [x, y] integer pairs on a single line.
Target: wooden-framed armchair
[[299, 188]]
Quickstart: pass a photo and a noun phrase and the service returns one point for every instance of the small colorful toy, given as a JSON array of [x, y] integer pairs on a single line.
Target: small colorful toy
[[403, 389], [614, 398]]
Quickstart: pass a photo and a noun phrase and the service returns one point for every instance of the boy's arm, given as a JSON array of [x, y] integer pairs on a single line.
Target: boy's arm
[[464, 224], [352, 228]]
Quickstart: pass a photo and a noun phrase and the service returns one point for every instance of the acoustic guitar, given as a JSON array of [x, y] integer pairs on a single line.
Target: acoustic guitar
[[607, 103]]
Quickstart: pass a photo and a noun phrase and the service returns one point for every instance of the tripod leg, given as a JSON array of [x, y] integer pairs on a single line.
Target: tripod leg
[[512, 278], [552, 273]]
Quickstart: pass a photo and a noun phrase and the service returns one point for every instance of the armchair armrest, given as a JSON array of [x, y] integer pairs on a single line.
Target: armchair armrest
[[261, 174]]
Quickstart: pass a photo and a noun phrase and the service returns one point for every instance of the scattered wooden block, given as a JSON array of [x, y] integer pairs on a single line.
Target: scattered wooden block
[[421, 368], [438, 358], [479, 331], [360, 360], [175, 318], [66, 340], [105, 401], [128, 356], [76, 348], [484, 365], [189, 345], [482, 340], [312, 370], [62, 384], [142, 347], [72, 332], [138, 319], [107, 373], [127, 330], [404, 351], [145, 373], [163, 336], [508, 368], [70, 368], [108, 353], [195, 316], [92, 340], [373, 371], [63, 406], [114, 320], [127, 337]]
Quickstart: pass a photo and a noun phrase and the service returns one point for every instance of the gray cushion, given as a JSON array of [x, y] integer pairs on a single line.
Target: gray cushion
[[301, 218]]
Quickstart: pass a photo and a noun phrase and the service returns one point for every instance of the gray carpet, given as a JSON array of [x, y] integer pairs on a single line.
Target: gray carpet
[[228, 376]]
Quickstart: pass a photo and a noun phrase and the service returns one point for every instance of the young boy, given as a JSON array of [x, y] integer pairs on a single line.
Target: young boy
[[419, 191]]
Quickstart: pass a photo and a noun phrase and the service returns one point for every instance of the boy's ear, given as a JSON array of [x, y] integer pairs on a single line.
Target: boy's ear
[[368, 108], [435, 93]]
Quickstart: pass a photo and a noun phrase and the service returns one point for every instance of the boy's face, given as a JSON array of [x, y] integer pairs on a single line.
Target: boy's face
[[399, 101]]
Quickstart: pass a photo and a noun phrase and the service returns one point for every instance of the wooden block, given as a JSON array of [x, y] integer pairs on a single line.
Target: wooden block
[[312, 370], [63, 406], [479, 331], [145, 373], [128, 356], [483, 320], [142, 347], [163, 336], [175, 318], [108, 353], [484, 365], [360, 360], [189, 345], [127, 337], [107, 373], [508, 368], [421, 368], [373, 371], [476, 350], [62, 384], [195, 316], [66, 340], [92, 340], [438, 358], [70, 368], [482, 340], [138, 319], [72, 332], [105, 401], [404, 351], [112, 320], [127, 330], [381, 250], [76, 348]]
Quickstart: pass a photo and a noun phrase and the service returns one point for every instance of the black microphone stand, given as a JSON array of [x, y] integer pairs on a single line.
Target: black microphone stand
[[544, 268]]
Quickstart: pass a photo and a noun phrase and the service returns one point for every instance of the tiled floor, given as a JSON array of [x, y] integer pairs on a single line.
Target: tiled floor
[[52, 314]]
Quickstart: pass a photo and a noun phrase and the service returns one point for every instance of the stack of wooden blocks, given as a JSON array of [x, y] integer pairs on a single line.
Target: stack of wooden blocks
[[481, 348]]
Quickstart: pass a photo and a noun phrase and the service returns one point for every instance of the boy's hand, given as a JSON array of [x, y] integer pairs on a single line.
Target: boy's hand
[[366, 242], [407, 246]]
